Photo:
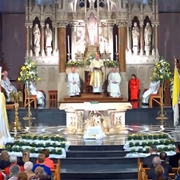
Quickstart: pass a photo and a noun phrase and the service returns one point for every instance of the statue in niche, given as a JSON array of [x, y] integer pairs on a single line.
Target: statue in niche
[[92, 29], [48, 36], [111, 4], [135, 35], [73, 5], [147, 34], [91, 4], [37, 35], [102, 44], [80, 42]]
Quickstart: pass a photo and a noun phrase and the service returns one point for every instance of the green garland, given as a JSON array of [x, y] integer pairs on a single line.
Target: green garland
[[75, 64], [40, 137], [147, 136]]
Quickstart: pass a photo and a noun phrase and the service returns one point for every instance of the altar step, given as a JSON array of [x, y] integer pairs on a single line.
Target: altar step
[[92, 97]]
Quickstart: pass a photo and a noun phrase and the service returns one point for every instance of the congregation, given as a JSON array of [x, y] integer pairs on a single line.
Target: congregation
[[13, 168], [159, 165]]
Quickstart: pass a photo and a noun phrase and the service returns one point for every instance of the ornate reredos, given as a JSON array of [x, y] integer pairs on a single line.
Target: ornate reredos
[[74, 10]]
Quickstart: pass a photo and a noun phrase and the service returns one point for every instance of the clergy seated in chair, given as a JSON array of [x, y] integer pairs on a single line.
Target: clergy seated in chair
[[134, 85], [114, 80], [153, 89], [6, 84], [73, 83], [39, 95]]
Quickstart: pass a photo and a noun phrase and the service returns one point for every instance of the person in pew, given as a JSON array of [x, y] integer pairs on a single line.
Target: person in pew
[[48, 162], [156, 162], [134, 85], [41, 159], [6, 84], [163, 157], [173, 160], [153, 89], [114, 80], [147, 162], [22, 176], [4, 160], [28, 166], [13, 172], [159, 171], [73, 83], [178, 174]]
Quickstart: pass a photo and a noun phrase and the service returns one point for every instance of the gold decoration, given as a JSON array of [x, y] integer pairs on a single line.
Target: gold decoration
[[16, 126], [29, 116]]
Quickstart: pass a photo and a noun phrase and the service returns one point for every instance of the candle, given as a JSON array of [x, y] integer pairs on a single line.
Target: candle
[[68, 45], [116, 44]]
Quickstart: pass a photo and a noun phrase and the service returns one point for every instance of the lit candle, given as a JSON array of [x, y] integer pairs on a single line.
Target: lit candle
[[68, 45], [116, 44]]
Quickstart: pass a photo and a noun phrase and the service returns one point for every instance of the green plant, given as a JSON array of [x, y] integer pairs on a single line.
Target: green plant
[[63, 145], [147, 150], [75, 64], [133, 150], [145, 137], [59, 151], [165, 148], [144, 144], [150, 136], [129, 138], [160, 149], [137, 144], [155, 136], [140, 150], [155, 142]]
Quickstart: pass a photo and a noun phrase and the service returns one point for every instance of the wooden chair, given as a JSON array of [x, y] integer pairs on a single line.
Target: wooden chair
[[52, 99], [33, 99], [56, 171], [156, 97]]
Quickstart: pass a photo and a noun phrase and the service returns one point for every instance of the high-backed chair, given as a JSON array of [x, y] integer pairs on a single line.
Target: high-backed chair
[[156, 97], [33, 99]]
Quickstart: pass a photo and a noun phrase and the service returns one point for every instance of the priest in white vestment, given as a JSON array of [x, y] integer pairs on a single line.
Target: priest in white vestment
[[5, 136], [6, 84], [39, 95], [114, 80], [153, 89], [96, 80], [73, 83]]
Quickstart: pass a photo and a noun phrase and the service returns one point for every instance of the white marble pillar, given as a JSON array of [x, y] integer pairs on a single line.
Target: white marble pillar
[[31, 40], [110, 33], [55, 40], [73, 43], [128, 39], [27, 40], [156, 39], [42, 40], [142, 39]]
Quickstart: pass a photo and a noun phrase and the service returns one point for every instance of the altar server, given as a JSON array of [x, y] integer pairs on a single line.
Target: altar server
[[96, 80], [6, 84], [134, 87], [39, 95], [73, 83], [114, 80], [153, 89]]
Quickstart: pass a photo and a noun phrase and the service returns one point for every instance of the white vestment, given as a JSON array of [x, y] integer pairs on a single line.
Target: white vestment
[[114, 88], [153, 89], [9, 88], [39, 95], [73, 89], [4, 126]]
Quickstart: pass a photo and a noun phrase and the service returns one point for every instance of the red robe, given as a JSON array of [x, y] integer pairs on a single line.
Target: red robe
[[134, 88]]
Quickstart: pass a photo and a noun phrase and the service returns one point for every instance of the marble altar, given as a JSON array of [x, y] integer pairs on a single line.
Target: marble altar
[[108, 116]]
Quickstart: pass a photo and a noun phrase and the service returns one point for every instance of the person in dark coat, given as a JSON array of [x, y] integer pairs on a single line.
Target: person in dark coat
[[4, 160], [164, 164], [173, 160]]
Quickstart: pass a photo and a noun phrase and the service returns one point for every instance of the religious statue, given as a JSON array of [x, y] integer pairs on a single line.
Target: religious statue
[[5, 136], [48, 36], [114, 80], [102, 44], [73, 5], [80, 43], [91, 4], [73, 83], [96, 80], [39, 95], [37, 35], [111, 4], [147, 34], [92, 29], [135, 35], [153, 89], [6, 84]]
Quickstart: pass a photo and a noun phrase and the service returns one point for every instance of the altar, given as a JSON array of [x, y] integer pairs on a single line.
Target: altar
[[110, 117]]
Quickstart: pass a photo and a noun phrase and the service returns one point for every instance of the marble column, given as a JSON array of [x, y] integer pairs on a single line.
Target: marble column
[[110, 40], [141, 39], [55, 40], [27, 41], [73, 43], [128, 39], [42, 39], [31, 41], [62, 49], [122, 32], [156, 39]]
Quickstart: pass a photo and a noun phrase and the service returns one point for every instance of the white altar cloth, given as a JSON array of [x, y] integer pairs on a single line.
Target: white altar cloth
[[94, 133]]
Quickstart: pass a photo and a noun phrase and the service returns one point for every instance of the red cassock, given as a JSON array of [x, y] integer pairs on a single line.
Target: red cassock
[[134, 88]]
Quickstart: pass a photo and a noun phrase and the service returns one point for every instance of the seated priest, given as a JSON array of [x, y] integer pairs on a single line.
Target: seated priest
[[134, 87], [73, 83], [7, 86], [114, 80], [153, 89], [39, 95]]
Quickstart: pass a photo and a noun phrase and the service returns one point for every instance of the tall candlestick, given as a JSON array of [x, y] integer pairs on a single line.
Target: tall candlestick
[[68, 45], [116, 44], [0, 77]]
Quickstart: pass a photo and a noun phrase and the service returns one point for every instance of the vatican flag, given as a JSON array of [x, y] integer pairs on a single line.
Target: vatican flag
[[176, 91]]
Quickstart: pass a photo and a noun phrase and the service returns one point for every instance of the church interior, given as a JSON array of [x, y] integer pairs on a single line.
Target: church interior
[[87, 85]]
